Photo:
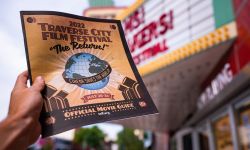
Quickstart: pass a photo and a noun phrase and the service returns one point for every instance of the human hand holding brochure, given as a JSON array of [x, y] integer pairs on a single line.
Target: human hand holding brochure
[[88, 69]]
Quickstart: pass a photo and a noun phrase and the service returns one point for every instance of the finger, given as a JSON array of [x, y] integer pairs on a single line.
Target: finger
[[38, 84], [21, 81]]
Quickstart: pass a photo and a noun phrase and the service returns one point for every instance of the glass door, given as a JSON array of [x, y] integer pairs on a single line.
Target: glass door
[[222, 133], [203, 136], [243, 117]]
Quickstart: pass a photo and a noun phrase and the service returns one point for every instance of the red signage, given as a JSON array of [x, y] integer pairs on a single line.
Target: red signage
[[147, 33]]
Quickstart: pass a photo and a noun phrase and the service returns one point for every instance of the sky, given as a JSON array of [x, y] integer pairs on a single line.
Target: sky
[[12, 52]]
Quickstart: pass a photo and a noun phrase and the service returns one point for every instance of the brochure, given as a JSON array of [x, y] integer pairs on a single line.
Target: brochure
[[89, 73]]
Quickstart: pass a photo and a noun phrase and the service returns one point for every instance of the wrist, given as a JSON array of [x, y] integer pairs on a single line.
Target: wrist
[[14, 127]]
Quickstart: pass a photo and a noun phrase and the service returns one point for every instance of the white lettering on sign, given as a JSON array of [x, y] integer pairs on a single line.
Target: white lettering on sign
[[158, 27], [216, 86]]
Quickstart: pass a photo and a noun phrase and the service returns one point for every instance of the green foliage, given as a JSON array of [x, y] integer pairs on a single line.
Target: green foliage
[[90, 138], [128, 141]]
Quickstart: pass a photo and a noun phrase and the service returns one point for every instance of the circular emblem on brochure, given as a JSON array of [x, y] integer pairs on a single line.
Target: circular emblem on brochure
[[142, 104], [87, 71], [31, 19]]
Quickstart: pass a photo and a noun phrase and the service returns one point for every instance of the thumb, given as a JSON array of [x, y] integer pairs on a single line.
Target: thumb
[[38, 84]]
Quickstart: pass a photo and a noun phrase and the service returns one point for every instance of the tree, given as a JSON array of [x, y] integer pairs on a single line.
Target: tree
[[90, 138], [128, 141]]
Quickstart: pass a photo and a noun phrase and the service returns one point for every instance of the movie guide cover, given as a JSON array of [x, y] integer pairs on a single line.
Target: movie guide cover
[[88, 70]]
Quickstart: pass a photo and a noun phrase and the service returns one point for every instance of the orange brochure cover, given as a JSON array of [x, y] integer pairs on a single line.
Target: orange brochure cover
[[89, 73]]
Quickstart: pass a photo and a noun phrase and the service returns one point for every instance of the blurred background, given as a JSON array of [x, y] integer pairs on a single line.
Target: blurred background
[[193, 56]]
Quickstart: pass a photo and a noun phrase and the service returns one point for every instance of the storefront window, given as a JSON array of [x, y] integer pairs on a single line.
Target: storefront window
[[223, 134], [187, 142], [244, 126], [173, 144], [203, 138]]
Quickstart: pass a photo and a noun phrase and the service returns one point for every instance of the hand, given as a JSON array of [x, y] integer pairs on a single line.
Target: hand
[[24, 110]]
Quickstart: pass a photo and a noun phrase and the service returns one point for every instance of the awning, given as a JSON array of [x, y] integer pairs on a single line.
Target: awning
[[240, 83], [175, 89]]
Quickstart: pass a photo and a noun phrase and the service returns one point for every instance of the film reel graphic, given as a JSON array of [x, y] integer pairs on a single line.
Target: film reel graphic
[[55, 99]]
